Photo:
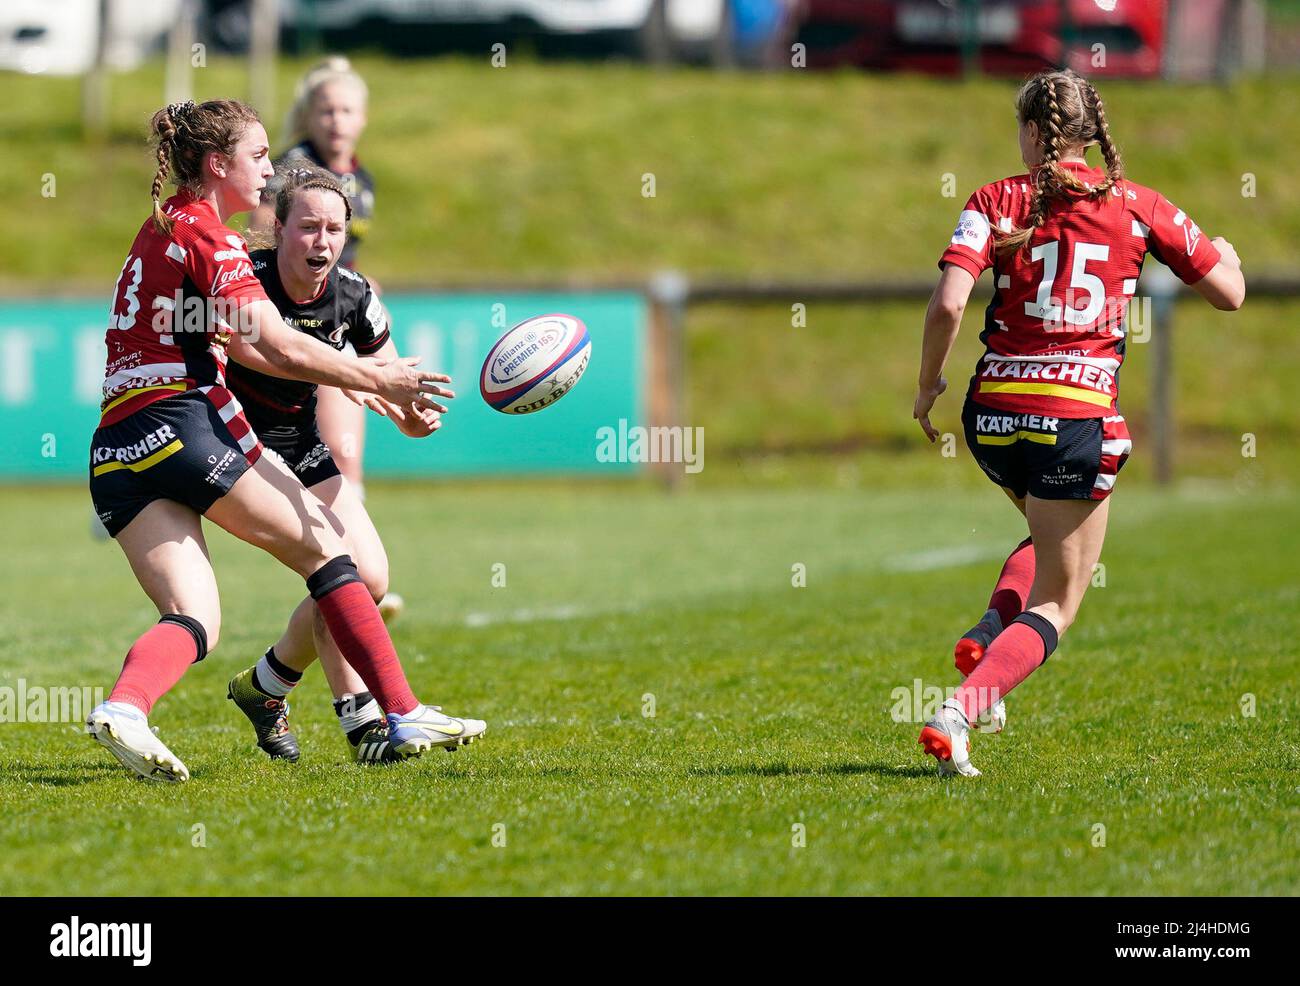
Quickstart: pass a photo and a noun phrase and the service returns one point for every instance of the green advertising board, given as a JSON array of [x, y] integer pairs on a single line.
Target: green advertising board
[[52, 366]]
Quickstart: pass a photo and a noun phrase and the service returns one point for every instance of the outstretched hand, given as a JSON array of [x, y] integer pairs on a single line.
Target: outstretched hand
[[414, 420], [405, 386], [376, 404], [925, 398]]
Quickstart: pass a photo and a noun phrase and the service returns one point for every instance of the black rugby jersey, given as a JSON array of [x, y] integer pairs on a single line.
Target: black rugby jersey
[[346, 310], [357, 183]]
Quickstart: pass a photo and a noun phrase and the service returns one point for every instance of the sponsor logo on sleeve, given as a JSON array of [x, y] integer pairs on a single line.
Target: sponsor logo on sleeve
[[972, 230], [375, 316], [1191, 232], [237, 250]]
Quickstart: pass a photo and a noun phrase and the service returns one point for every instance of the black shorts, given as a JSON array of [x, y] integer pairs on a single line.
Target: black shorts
[[1050, 458], [190, 448], [301, 448]]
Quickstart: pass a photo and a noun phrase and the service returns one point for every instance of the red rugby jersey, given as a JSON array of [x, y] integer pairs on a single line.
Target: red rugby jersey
[[166, 325], [1054, 331]]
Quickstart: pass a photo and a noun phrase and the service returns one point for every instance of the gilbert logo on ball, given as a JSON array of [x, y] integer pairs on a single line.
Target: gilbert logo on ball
[[535, 364]]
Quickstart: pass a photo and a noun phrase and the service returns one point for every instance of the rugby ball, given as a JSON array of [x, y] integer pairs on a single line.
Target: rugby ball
[[535, 364]]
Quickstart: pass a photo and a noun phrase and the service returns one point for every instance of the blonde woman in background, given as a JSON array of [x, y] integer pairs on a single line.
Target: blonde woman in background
[[325, 125]]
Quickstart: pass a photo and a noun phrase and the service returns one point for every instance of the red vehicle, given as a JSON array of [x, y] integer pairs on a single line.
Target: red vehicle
[[1011, 37]]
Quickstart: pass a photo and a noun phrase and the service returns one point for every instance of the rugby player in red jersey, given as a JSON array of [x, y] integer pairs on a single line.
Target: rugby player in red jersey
[[1066, 244], [303, 275], [173, 443]]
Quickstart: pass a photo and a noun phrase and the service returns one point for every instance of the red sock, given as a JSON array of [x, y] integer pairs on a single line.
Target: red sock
[[1018, 650], [1012, 591], [355, 624], [154, 663]]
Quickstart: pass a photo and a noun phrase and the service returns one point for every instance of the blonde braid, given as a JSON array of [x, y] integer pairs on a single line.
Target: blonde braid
[[1109, 151], [1046, 181], [165, 129], [1049, 179]]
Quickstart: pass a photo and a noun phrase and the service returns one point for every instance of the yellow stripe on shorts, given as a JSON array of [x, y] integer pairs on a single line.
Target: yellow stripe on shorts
[[144, 463], [138, 390], [1048, 390], [1029, 436]]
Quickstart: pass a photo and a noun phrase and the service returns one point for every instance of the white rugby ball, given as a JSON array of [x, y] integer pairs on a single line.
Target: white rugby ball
[[535, 364]]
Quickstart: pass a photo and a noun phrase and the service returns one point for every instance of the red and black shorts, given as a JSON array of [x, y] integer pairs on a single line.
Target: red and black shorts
[[190, 448], [303, 451], [1050, 458]]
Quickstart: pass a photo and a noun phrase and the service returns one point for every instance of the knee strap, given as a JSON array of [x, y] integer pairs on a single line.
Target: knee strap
[[196, 631]]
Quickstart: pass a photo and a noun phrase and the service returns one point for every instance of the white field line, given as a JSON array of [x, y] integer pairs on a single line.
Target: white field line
[[930, 560], [530, 615], [933, 559]]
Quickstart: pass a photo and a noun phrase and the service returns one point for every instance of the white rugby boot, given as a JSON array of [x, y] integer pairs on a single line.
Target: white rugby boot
[[426, 727], [124, 731], [946, 737]]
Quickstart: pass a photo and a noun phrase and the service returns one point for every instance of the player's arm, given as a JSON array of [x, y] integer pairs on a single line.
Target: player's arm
[[244, 353], [298, 356], [1224, 286], [411, 420], [370, 336], [969, 253], [1212, 269], [207, 258], [942, 323]]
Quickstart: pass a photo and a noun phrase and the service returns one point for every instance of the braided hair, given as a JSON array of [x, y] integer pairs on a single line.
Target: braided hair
[[184, 134], [1069, 114]]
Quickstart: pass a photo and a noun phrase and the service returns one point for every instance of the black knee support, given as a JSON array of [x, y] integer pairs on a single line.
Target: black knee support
[[334, 573], [196, 631], [1043, 628]]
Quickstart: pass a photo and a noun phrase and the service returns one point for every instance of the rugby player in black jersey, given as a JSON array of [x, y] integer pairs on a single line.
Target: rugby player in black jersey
[[325, 126], [316, 295]]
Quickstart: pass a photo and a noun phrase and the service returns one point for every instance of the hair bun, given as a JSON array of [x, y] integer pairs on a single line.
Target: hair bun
[[180, 112]]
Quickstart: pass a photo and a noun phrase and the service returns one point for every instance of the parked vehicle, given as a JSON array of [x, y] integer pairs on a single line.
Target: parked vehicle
[[1013, 37], [59, 37], [659, 30]]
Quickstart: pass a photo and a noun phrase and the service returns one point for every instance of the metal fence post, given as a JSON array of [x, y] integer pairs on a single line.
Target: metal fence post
[[178, 77], [263, 49], [1162, 286], [668, 292], [94, 84]]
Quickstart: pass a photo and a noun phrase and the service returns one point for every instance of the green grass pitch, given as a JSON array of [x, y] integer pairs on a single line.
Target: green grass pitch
[[772, 763]]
